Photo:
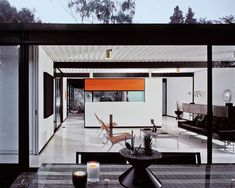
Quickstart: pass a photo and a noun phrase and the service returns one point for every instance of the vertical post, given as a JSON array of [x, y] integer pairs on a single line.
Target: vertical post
[[68, 98], [24, 107], [111, 124], [193, 91], [61, 100], [209, 104], [91, 74]]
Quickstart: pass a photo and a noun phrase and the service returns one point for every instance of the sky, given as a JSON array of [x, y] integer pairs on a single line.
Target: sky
[[147, 11]]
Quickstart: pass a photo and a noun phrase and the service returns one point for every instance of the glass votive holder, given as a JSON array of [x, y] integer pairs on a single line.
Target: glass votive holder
[[93, 170], [233, 183], [79, 179]]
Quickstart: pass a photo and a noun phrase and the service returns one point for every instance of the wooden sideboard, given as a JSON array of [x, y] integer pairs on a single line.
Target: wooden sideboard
[[218, 111]]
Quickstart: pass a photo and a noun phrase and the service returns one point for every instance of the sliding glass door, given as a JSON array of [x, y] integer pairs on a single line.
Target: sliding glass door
[[58, 102], [9, 104], [223, 127]]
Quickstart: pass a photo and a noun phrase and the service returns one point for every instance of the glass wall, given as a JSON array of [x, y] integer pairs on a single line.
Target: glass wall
[[115, 96], [223, 127], [9, 89]]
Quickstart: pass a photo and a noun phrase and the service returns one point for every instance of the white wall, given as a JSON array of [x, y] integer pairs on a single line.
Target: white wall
[[46, 127], [64, 98], [177, 90], [200, 84], [223, 78], [129, 113]]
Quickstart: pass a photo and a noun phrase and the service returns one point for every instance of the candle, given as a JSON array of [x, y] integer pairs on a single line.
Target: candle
[[79, 179], [93, 170]]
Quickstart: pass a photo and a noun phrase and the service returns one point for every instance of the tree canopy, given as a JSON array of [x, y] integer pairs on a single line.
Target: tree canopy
[[178, 18], [228, 19], [9, 14], [189, 17], [105, 11]]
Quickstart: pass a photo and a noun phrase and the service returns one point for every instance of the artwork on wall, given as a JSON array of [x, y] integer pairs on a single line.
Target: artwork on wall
[[115, 90], [115, 84], [48, 94]]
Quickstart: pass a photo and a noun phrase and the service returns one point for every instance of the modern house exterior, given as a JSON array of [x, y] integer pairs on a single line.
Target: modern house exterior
[[26, 44]]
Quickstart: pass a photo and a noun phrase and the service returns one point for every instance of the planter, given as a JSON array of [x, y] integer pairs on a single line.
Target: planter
[[178, 114]]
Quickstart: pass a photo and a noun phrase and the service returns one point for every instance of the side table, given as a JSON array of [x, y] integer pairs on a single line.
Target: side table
[[139, 175]]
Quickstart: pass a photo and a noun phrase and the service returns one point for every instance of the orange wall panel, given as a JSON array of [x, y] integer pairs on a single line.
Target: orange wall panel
[[114, 84]]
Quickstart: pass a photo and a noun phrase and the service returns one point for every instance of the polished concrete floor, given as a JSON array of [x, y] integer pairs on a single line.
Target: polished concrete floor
[[72, 137]]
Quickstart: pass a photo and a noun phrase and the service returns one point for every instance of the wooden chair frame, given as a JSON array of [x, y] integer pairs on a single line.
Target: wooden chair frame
[[113, 138]]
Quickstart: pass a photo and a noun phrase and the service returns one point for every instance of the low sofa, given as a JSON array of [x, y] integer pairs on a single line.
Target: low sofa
[[222, 128]]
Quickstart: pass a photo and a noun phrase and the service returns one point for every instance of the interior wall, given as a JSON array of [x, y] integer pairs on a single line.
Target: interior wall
[[46, 127], [223, 78], [64, 98], [129, 113], [177, 90], [200, 84]]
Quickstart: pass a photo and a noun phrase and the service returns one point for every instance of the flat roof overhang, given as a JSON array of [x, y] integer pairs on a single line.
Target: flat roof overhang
[[118, 34]]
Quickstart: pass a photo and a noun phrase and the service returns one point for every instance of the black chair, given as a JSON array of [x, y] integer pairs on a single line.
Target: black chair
[[179, 158], [102, 157]]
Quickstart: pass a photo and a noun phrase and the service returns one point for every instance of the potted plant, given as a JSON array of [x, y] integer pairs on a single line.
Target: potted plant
[[148, 145]]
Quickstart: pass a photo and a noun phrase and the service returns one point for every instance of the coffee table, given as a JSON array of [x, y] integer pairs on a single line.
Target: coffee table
[[161, 134]]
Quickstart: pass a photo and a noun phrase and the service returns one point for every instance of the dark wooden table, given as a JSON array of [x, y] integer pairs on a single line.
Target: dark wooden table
[[171, 176]]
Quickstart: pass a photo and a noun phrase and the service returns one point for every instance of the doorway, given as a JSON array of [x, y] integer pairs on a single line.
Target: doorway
[[58, 103], [76, 100]]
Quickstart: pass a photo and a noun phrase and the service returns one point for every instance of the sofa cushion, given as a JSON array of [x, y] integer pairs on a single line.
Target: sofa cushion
[[200, 122], [216, 124]]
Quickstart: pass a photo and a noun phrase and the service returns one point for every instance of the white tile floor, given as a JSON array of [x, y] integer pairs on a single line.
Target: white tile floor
[[72, 137]]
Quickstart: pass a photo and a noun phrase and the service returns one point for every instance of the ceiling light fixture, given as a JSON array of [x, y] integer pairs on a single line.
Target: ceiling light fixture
[[109, 54], [177, 70]]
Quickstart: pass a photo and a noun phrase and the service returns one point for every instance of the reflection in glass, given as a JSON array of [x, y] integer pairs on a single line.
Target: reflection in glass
[[9, 66], [88, 96], [99, 96], [115, 96], [136, 96]]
